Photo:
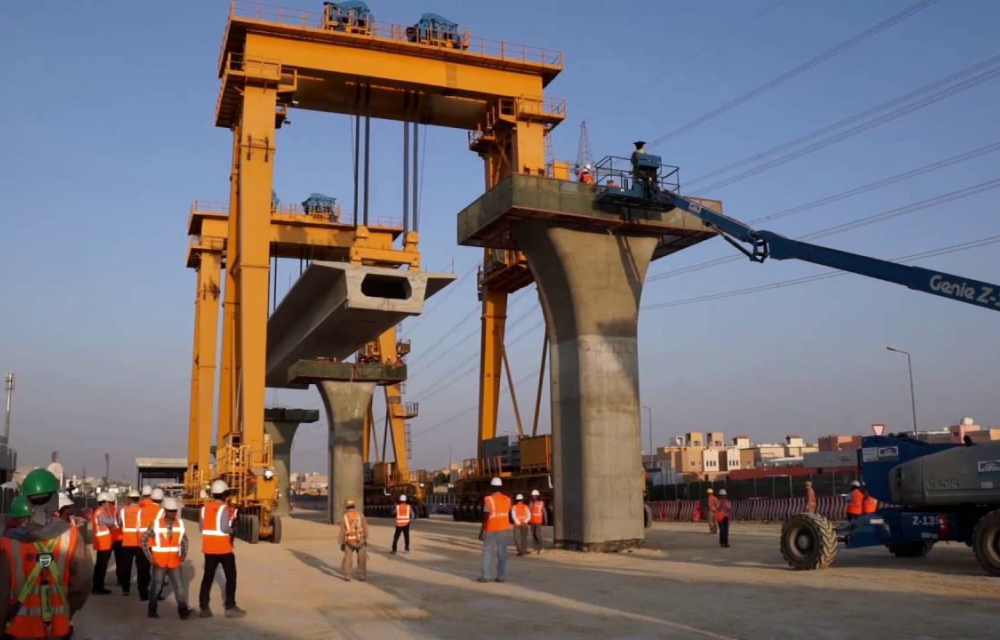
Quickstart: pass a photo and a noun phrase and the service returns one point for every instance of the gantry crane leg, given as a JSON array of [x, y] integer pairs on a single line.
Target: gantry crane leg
[[206, 327], [394, 406], [228, 364], [494, 320]]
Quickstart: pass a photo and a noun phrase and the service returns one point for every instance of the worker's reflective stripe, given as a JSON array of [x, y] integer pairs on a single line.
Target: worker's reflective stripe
[[39, 611], [217, 531], [100, 533], [352, 526], [160, 534], [522, 515], [403, 515]]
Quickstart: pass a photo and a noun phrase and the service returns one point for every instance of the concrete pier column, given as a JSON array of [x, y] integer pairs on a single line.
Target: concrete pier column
[[346, 405], [280, 425], [590, 284]]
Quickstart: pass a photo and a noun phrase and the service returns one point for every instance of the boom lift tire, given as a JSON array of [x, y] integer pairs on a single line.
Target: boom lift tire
[[276, 530], [986, 542], [808, 542], [917, 549]]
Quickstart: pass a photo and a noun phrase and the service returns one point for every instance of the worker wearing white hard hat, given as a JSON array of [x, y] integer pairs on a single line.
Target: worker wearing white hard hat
[[149, 513], [146, 490], [217, 534], [157, 495], [722, 517], [855, 503], [102, 522], [520, 517], [165, 545], [539, 518], [128, 520], [404, 514], [495, 532]]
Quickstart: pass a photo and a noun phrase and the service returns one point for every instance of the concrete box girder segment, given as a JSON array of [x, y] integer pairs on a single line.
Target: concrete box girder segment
[[589, 264], [334, 309], [280, 424]]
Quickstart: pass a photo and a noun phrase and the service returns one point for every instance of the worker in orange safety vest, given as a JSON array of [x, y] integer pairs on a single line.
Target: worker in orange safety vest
[[128, 523], [520, 516], [165, 544], [539, 518], [722, 517], [713, 508], [855, 504], [869, 504], [495, 532], [404, 516], [147, 516], [812, 504], [102, 520], [354, 540], [217, 544]]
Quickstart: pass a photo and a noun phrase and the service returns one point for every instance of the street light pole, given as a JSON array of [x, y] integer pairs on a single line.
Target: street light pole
[[913, 397], [649, 413]]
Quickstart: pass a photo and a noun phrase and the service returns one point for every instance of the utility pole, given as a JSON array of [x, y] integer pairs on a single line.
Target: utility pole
[[913, 397], [8, 384], [107, 468]]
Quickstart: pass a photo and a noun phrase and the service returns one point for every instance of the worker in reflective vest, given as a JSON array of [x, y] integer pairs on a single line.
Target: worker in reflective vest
[[404, 516], [812, 504], [713, 509], [495, 532], [45, 568], [165, 544], [101, 523], [722, 517], [539, 518], [520, 516], [855, 504], [354, 540], [128, 523], [148, 514], [217, 544], [117, 536], [869, 504]]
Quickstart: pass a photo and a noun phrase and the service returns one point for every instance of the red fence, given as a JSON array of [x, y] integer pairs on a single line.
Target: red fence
[[754, 509]]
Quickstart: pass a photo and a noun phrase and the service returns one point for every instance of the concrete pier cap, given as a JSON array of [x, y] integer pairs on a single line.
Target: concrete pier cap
[[280, 424], [589, 264]]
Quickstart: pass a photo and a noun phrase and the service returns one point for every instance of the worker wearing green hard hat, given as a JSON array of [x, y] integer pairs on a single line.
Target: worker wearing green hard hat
[[19, 512]]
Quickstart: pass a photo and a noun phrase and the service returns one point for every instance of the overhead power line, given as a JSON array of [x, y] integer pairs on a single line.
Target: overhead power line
[[895, 212], [965, 246], [794, 72]]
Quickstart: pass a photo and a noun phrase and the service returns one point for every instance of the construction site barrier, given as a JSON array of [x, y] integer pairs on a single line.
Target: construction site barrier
[[752, 510]]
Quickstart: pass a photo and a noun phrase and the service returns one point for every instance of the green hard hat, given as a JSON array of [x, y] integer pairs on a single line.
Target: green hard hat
[[20, 507], [39, 482]]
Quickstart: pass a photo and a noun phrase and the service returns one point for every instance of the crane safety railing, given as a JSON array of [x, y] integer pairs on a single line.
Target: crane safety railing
[[374, 222], [390, 32]]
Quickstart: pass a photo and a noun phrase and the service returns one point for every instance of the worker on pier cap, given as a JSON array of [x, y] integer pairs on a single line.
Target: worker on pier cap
[[812, 504], [354, 540], [722, 517], [404, 516], [713, 508], [165, 545], [217, 535], [42, 551], [148, 514], [101, 523], [855, 504], [129, 522], [495, 532], [539, 518]]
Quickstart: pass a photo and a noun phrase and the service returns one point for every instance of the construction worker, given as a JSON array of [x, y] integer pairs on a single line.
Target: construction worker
[[101, 522], [148, 514], [217, 536], [45, 569], [145, 495], [116, 539], [713, 508], [354, 539], [539, 518], [870, 502], [404, 515], [494, 532], [722, 517], [18, 513], [855, 504], [812, 503], [585, 174], [130, 522], [520, 516], [165, 545]]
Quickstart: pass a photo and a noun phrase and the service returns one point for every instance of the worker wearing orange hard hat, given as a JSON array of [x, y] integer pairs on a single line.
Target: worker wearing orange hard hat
[[539, 518], [855, 503], [520, 516], [495, 532]]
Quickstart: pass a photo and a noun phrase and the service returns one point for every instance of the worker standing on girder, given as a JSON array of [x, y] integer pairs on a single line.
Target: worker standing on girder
[[149, 513], [354, 540], [404, 515], [165, 545], [51, 565], [494, 532], [812, 504], [713, 509], [585, 174], [101, 523], [129, 521], [539, 518], [722, 517], [855, 504], [217, 544], [520, 516]]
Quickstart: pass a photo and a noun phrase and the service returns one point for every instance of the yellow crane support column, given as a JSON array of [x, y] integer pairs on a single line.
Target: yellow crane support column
[[494, 322], [228, 366], [206, 328], [394, 406]]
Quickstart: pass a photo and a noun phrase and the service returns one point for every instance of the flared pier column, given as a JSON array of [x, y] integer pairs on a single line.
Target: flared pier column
[[280, 425], [346, 405], [590, 283]]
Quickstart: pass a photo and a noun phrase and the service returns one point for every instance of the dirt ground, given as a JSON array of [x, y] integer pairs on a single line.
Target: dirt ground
[[682, 585]]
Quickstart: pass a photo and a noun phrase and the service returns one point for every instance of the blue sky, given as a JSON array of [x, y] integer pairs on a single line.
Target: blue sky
[[108, 125]]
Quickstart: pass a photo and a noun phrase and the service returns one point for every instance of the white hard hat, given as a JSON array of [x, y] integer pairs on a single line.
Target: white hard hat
[[134, 494], [171, 504], [402, 498], [219, 486], [855, 484], [710, 490], [534, 492], [268, 474], [496, 482], [722, 492], [64, 500], [146, 490], [156, 495], [103, 497], [587, 167], [519, 496]]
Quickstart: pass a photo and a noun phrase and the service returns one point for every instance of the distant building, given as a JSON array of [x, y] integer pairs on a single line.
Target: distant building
[[715, 439], [839, 443], [742, 442], [694, 439], [729, 459]]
